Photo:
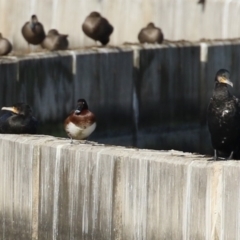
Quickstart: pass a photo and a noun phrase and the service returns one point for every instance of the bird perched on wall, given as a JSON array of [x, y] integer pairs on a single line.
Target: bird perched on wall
[[55, 41], [223, 117], [202, 2], [150, 34], [81, 122], [97, 27], [18, 120], [33, 31], [5, 46]]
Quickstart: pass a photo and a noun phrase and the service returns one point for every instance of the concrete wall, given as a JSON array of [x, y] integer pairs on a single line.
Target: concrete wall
[[51, 189], [147, 96], [182, 19]]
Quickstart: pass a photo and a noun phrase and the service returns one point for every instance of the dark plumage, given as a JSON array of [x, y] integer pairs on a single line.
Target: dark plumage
[[81, 122], [224, 117], [150, 34], [33, 31], [18, 120], [97, 28], [55, 41], [201, 1], [5, 46]]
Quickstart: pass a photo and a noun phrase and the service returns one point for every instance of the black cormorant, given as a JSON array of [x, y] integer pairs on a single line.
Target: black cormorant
[[18, 119], [223, 117]]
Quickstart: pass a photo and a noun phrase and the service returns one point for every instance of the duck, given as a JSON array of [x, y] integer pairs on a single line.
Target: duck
[[81, 122], [97, 27], [5, 46], [18, 119], [55, 41], [150, 34], [223, 117], [33, 31]]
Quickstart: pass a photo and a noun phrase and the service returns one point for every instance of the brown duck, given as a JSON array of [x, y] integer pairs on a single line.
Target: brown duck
[[81, 122], [33, 31], [55, 41], [97, 27], [150, 34], [5, 46]]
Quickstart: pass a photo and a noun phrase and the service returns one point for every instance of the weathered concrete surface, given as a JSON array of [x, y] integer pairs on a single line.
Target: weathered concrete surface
[[182, 19], [104, 77], [150, 96], [51, 189]]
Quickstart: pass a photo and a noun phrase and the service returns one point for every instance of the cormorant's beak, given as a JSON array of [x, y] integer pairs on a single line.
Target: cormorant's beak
[[11, 109], [225, 80]]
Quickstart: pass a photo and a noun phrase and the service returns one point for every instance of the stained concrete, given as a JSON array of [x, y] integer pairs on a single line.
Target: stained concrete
[[149, 96], [182, 19], [51, 189]]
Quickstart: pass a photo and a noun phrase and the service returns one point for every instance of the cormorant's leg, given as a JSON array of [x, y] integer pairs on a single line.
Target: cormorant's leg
[[71, 141], [215, 155], [230, 157]]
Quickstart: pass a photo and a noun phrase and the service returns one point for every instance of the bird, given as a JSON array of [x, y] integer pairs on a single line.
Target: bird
[[5, 46], [33, 31], [81, 122], [223, 117], [18, 120], [201, 2], [97, 27], [150, 34], [55, 41]]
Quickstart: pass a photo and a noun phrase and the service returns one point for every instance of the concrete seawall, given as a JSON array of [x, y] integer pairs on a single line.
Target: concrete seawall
[[51, 189], [142, 95]]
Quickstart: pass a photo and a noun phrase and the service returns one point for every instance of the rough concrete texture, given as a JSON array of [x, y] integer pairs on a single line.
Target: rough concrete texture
[[51, 189], [182, 19], [158, 91]]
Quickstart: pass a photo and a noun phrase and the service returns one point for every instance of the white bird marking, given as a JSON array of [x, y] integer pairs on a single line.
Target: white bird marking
[[79, 133], [225, 112]]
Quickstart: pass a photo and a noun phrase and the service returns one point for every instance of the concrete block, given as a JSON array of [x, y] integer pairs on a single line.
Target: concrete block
[[104, 79], [54, 190], [46, 83], [8, 80]]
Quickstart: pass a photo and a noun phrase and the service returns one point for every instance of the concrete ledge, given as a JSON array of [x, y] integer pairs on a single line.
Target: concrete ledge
[[142, 95], [53, 190]]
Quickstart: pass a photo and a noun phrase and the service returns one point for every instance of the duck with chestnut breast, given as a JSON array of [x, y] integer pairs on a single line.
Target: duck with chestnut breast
[[97, 27], [81, 122], [55, 41], [33, 31], [223, 117], [18, 119], [150, 34], [5, 46]]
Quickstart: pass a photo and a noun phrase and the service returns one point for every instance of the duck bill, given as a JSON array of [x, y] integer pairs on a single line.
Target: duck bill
[[11, 109], [225, 80]]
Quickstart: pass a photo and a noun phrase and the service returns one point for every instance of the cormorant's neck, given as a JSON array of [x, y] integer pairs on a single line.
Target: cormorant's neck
[[221, 91]]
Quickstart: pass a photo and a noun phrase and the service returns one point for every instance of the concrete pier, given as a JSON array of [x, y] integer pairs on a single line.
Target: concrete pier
[[51, 189]]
